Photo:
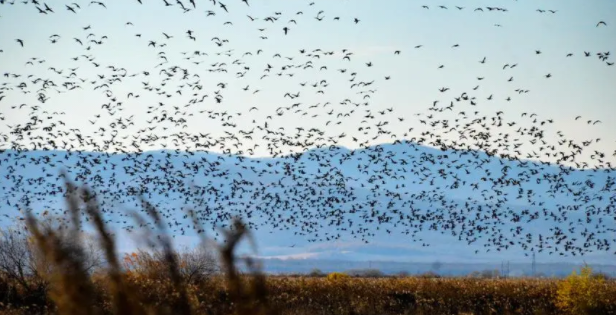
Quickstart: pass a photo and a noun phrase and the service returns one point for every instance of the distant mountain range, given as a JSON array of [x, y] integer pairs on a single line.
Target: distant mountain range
[[328, 202]]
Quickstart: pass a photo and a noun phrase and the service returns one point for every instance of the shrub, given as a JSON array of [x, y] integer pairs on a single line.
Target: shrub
[[337, 276], [580, 293], [403, 274], [194, 266], [316, 272], [601, 275]]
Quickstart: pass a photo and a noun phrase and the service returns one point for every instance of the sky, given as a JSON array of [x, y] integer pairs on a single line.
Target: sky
[[578, 85]]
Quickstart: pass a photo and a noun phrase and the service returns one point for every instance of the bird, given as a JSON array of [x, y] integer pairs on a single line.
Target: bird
[[99, 3], [223, 6]]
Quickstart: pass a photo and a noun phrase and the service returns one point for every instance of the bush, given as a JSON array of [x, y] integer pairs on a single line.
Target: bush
[[581, 293], [601, 275], [403, 274], [194, 266], [337, 276], [24, 269], [316, 272]]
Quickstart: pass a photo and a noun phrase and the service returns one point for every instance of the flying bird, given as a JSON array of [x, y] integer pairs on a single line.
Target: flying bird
[[99, 3]]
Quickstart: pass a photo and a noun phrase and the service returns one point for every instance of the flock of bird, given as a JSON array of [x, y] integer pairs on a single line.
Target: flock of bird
[[487, 186]]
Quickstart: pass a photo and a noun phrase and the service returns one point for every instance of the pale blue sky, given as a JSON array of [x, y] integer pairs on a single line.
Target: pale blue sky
[[578, 86]]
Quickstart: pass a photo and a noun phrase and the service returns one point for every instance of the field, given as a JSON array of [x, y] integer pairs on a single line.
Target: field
[[325, 295]]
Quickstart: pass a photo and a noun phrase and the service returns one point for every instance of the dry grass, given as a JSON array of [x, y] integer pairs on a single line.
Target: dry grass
[[72, 290]]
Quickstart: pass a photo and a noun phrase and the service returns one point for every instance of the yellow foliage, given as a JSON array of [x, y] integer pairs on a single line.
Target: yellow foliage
[[337, 276], [580, 293]]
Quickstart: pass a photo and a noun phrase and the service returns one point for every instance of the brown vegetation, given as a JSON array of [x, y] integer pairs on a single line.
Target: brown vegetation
[[42, 272]]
